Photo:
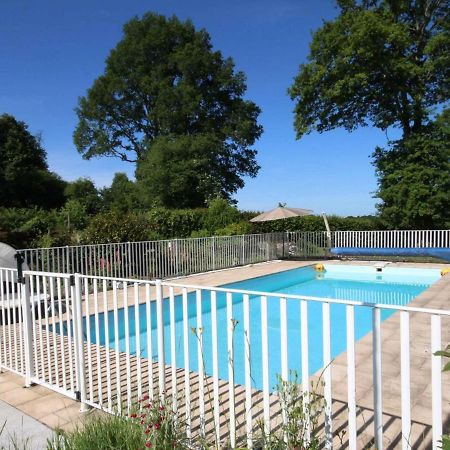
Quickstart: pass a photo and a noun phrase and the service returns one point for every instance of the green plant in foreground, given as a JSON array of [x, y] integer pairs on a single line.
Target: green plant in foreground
[[148, 424], [302, 413]]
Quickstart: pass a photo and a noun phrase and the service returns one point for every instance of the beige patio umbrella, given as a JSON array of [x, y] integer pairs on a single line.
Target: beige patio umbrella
[[281, 212]]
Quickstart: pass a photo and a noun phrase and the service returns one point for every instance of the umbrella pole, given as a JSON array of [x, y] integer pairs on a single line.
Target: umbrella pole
[[327, 226]]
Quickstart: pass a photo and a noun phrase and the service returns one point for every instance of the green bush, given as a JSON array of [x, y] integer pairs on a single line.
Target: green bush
[[116, 227], [174, 223], [234, 229], [219, 215]]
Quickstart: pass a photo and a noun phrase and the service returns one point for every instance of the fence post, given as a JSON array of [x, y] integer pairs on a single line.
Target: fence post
[[160, 331], [78, 341], [214, 253], [377, 395], [177, 257], [243, 249], [27, 329], [67, 260]]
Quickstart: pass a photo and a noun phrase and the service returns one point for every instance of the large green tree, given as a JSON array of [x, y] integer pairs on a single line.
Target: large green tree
[[122, 195], [414, 178], [164, 80], [84, 192], [385, 63], [188, 171], [25, 179], [380, 62]]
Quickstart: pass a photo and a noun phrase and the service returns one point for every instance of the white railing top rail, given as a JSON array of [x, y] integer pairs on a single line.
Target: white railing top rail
[[272, 294], [310, 298]]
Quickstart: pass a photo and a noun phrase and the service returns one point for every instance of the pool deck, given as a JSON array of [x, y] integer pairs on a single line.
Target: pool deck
[[56, 410]]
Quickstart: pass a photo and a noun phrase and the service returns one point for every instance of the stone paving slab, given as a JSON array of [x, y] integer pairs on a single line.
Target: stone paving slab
[[19, 430]]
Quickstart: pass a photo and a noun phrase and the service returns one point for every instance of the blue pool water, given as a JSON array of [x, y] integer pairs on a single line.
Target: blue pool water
[[360, 283]]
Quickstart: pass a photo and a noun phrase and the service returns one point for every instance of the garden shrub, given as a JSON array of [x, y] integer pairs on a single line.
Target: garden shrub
[[174, 223], [116, 227], [219, 215], [234, 229]]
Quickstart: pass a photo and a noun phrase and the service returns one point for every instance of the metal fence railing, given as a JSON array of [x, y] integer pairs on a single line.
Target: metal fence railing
[[110, 341], [392, 239], [178, 257], [174, 257]]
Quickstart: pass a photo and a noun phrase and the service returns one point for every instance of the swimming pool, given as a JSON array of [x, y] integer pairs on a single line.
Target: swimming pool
[[347, 282]]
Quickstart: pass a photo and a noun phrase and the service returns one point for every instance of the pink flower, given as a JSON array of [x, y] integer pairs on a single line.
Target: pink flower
[[148, 444], [133, 416]]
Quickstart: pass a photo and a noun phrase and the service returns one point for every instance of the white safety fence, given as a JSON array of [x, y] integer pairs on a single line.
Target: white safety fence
[[157, 259], [392, 239], [108, 341], [178, 257]]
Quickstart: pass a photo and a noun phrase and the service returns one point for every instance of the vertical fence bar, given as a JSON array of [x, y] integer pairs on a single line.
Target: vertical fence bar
[[187, 384], [327, 374], [248, 377], [351, 392], [283, 338], [305, 363], [201, 368], [265, 364], [405, 379], [160, 331], [107, 344], [148, 320], [173, 355], [436, 380], [215, 367], [117, 346], [377, 394], [127, 342], [230, 344], [79, 343], [137, 334], [97, 341], [27, 330], [88, 338]]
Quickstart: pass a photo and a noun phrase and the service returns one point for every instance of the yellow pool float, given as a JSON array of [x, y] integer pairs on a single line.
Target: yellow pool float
[[319, 267], [444, 272]]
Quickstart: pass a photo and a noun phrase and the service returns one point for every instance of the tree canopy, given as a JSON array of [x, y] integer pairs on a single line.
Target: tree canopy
[[386, 63], [162, 82], [414, 178], [380, 62], [122, 195], [83, 191], [25, 179], [188, 171]]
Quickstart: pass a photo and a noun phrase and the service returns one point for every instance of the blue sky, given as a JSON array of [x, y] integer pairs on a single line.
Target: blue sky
[[51, 51]]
